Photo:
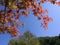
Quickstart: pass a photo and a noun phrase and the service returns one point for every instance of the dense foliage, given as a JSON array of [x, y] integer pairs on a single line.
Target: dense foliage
[[13, 9], [26, 39], [50, 40], [29, 39]]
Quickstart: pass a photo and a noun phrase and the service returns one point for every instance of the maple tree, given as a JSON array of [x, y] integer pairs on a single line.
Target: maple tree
[[13, 9]]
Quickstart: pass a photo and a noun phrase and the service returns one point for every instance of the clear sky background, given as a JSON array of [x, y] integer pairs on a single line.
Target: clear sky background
[[33, 24]]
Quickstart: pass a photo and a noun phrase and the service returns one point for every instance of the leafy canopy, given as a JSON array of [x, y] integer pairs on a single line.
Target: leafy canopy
[[13, 9]]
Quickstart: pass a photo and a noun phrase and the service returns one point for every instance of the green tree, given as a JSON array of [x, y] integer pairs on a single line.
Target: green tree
[[28, 35], [50, 40], [13, 42], [26, 39], [30, 39]]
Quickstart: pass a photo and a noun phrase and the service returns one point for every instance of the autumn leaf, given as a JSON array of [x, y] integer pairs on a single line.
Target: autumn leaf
[[58, 3]]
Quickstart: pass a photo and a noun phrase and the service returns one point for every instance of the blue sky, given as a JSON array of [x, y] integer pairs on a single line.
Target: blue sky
[[33, 24]]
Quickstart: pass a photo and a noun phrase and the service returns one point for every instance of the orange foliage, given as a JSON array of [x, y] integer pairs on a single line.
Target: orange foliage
[[58, 3], [9, 19]]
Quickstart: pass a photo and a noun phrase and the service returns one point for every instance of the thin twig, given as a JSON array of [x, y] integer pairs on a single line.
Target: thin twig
[[4, 14]]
